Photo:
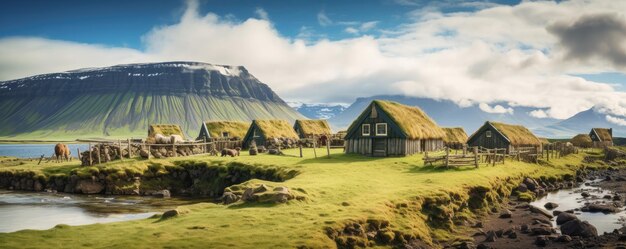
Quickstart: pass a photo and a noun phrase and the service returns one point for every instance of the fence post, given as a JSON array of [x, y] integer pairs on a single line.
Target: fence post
[[174, 149], [476, 156], [204, 145], [314, 145], [495, 153], [90, 157], [79, 157], [447, 157], [119, 149], [130, 154], [149, 151], [300, 146], [328, 149]]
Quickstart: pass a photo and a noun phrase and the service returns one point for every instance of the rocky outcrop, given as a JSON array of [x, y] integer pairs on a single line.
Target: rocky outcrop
[[261, 193], [187, 178]]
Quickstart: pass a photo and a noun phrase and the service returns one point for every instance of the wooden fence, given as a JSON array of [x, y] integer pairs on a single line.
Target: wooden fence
[[211, 147], [475, 157]]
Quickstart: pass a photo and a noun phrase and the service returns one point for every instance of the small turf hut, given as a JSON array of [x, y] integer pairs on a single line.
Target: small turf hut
[[312, 128], [165, 130], [223, 130], [387, 128], [601, 137], [264, 131], [455, 137], [494, 135], [582, 141]]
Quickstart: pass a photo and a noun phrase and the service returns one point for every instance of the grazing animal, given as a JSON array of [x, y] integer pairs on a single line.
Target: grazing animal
[[230, 152], [61, 151]]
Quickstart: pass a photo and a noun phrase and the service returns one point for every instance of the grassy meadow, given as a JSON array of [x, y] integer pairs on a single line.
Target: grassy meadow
[[339, 190]]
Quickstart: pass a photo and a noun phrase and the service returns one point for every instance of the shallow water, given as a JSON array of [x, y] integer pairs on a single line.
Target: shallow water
[[27, 210], [569, 199], [36, 150]]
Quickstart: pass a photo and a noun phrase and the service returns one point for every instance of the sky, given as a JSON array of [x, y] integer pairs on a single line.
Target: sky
[[559, 57]]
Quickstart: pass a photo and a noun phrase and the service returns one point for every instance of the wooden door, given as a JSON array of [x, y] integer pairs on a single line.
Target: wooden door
[[379, 147]]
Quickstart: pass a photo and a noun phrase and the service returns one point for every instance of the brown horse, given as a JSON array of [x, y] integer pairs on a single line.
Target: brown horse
[[63, 152]]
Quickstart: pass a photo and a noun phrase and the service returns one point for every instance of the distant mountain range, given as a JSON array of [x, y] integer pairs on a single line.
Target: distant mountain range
[[448, 114], [122, 100], [318, 111]]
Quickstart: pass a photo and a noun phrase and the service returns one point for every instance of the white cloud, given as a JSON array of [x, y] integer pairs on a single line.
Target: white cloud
[[538, 114], [352, 30], [499, 54], [261, 13], [616, 120], [495, 109], [323, 19]]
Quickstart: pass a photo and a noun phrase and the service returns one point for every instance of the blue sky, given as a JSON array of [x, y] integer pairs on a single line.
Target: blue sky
[[122, 23], [469, 52]]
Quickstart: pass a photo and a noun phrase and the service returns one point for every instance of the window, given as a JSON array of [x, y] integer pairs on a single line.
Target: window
[[488, 133], [381, 129], [225, 134], [365, 129]]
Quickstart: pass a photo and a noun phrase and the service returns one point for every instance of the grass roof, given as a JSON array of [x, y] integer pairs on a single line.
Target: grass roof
[[276, 129], [314, 127], [455, 135], [517, 134], [165, 129], [603, 134], [582, 140], [234, 128], [411, 120], [543, 140]]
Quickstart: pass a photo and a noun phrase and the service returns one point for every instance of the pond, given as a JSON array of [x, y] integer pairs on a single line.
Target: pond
[[29, 210], [570, 199], [36, 150]]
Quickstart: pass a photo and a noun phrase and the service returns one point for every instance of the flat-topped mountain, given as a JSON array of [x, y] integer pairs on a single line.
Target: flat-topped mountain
[[123, 100]]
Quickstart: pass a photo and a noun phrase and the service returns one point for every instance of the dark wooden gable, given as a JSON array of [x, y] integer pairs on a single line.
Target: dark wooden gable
[[372, 115], [252, 131], [594, 135], [298, 130], [497, 139], [204, 132]]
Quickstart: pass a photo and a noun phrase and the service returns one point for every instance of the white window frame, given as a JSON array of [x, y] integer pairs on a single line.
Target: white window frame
[[488, 134], [369, 130], [381, 134]]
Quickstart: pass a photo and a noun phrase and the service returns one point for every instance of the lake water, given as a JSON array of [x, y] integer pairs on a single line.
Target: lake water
[[36, 150], [569, 199], [29, 210]]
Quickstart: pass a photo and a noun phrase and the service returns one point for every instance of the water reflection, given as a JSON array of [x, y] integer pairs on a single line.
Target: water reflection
[[27, 210]]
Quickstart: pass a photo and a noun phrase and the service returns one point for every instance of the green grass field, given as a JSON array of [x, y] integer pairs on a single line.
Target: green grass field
[[339, 190]]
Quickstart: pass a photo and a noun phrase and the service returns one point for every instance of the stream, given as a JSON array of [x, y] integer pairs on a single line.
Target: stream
[[571, 199], [41, 210]]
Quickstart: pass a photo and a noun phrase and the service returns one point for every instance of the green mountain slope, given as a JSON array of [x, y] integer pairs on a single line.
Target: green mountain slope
[[122, 101]]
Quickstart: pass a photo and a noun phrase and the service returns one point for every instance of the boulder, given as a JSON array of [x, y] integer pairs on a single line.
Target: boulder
[[505, 214], [170, 214], [541, 211], [491, 236], [541, 241], [585, 194], [564, 238], [144, 153], [530, 183], [522, 187], [579, 228], [565, 217], [551, 205], [229, 197], [163, 193], [89, 187], [595, 208], [542, 230]]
